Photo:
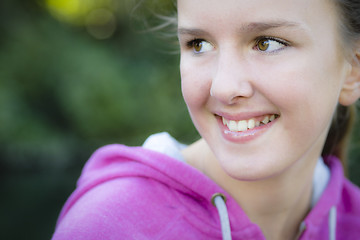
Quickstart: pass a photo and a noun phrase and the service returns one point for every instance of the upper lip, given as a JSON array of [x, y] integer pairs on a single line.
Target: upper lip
[[244, 115]]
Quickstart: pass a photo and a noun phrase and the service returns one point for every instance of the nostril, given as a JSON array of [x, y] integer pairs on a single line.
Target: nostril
[[231, 92]]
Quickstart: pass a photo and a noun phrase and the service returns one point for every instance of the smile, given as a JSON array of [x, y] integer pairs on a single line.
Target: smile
[[244, 125]]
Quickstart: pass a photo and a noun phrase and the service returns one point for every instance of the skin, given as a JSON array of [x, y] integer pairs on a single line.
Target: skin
[[300, 77]]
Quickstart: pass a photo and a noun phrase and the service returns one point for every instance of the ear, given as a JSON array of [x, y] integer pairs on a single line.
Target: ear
[[350, 91]]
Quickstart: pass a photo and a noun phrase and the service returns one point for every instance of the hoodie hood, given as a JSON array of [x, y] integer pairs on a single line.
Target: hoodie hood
[[168, 185], [193, 190]]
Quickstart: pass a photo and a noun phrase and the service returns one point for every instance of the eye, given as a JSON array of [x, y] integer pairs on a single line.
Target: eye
[[270, 45], [200, 45]]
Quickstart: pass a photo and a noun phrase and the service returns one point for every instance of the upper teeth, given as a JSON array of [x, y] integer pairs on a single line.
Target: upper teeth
[[243, 125]]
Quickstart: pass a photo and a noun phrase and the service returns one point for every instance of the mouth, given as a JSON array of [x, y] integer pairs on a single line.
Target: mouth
[[245, 125]]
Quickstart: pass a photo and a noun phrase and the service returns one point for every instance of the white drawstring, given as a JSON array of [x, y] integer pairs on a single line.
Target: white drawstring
[[332, 223], [218, 201]]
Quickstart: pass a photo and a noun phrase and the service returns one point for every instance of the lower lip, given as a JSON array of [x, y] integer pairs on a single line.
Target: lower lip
[[245, 136]]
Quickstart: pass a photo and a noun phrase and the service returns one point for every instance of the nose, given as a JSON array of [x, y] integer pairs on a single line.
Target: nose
[[232, 78]]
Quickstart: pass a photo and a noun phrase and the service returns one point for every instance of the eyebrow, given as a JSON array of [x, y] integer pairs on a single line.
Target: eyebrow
[[192, 31], [263, 26], [245, 28]]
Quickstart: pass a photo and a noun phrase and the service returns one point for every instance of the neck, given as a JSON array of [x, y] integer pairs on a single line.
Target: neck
[[277, 204]]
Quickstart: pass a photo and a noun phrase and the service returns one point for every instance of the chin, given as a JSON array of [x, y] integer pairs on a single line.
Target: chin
[[252, 171], [250, 176]]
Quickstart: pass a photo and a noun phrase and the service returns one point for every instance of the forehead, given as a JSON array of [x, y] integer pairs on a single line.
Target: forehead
[[242, 14]]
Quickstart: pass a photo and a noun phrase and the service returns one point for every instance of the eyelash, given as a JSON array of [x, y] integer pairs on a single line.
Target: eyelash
[[190, 44], [266, 38]]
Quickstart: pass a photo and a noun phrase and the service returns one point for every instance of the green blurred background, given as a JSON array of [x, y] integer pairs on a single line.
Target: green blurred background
[[75, 75]]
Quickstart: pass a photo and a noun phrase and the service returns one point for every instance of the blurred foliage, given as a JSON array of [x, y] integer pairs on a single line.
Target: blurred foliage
[[64, 93], [62, 89], [75, 75]]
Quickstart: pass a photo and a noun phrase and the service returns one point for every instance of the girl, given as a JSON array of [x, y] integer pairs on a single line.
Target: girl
[[262, 81]]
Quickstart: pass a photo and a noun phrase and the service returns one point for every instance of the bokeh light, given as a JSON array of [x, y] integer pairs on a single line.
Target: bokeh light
[[70, 11], [101, 23], [97, 16]]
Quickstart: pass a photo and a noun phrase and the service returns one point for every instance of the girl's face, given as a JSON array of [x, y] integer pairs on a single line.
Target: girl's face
[[261, 80]]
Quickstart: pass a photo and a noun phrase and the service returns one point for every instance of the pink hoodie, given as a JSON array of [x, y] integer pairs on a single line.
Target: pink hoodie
[[135, 193]]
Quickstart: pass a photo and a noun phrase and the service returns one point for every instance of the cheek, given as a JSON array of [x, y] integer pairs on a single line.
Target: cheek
[[300, 82], [306, 93], [195, 85]]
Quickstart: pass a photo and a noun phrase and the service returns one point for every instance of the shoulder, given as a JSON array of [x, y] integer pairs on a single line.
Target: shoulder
[[127, 193], [348, 210], [120, 208], [350, 198], [344, 192]]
